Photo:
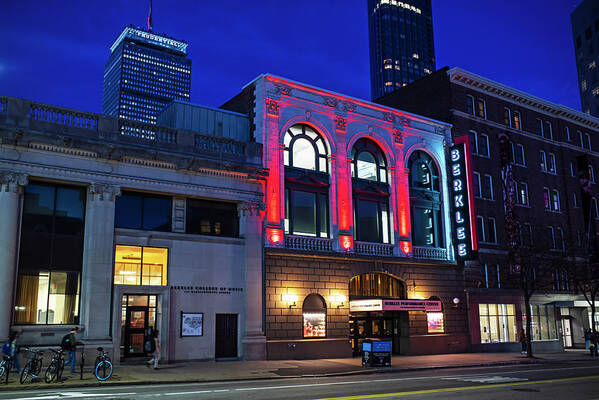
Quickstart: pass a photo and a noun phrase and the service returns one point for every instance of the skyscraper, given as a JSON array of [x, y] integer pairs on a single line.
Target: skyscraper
[[144, 73], [401, 43], [585, 31]]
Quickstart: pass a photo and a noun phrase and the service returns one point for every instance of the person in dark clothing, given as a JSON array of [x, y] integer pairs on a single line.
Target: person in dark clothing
[[522, 340], [12, 349], [69, 343]]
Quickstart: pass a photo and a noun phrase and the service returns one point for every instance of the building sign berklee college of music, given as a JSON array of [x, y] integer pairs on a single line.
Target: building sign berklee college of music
[[462, 199]]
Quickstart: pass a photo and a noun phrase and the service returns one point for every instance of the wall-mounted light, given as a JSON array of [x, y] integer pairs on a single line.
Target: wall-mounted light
[[346, 242], [456, 302], [275, 236], [290, 299], [339, 300], [406, 247]]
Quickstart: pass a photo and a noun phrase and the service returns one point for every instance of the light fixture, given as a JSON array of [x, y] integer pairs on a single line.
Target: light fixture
[[338, 299], [456, 301], [290, 299]]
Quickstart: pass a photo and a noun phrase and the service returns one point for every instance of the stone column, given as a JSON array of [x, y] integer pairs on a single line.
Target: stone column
[[11, 189], [254, 339], [96, 279]]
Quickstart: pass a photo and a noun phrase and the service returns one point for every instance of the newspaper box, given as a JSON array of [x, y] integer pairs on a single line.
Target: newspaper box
[[376, 352]]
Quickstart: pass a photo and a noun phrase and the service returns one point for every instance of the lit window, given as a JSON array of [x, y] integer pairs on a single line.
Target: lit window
[[388, 83], [314, 312], [416, 56], [497, 323], [135, 265]]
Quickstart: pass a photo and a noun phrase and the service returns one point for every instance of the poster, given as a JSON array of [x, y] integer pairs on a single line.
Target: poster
[[192, 324], [435, 322], [315, 325]]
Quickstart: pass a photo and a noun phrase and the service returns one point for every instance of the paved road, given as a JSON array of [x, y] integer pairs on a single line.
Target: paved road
[[571, 381]]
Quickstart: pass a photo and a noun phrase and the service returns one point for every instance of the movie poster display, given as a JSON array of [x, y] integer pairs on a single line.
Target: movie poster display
[[315, 325]]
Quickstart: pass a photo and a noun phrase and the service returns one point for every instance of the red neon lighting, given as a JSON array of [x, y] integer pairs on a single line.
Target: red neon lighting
[[468, 161], [274, 235], [346, 242], [273, 195], [406, 247]]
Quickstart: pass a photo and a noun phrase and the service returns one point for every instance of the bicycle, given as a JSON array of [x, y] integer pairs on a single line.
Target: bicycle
[[103, 370], [6, 365], [33, 366], [56, 367]]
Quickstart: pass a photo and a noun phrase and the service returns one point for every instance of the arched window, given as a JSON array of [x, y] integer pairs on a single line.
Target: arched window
[[370, 193], [425, 201], [314, 311], [376, 284], [306, 182]]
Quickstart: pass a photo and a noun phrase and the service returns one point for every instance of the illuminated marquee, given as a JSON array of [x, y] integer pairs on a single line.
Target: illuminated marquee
[[462, 199]]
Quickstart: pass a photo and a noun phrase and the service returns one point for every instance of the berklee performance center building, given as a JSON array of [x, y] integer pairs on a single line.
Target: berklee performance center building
[[361, 238]]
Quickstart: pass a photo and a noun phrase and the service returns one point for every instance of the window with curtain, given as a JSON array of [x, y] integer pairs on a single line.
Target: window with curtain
[[51, 254], [370, 191], [425, 201], [306, 182], [497, 323]]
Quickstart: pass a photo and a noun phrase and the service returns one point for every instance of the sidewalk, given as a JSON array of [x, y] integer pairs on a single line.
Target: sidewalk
[[211, 371]]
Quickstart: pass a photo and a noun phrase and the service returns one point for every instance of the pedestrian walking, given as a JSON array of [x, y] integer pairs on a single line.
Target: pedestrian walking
[[587, 338], [522, 340], [152, 345], [69, 344], [11, 348], [594, 343]]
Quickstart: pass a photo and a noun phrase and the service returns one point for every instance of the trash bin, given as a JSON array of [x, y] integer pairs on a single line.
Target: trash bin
[[376, 352]]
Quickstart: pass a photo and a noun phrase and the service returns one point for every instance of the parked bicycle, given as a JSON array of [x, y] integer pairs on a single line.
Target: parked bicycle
[[33, 366], [54, 370], [103, 369], [6, 365]]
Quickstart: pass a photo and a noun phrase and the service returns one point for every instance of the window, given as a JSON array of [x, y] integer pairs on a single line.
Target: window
[[497, 323], [134, 265], [485, 276], [215, 218], [568, 136], [487, 187], [546, 198], [560, 280], [591, 174], [486, 229], [525, 231], [143, 211], [543, 161], [555, 200], [575, 200], [481, 109], [470, 104], [306, 183], [580, 138], [507, 117], [540, 126], [498, 275], [572, 169], [314, 311], [51, 255], [542, 323], [551, 238], [595, 209], [425, 201], [548, 132], [559, 238], [551, 165], [521, 193], [371, 192], [479, 143], [516, 120], [588, 141], [476, 178], [518, 157]]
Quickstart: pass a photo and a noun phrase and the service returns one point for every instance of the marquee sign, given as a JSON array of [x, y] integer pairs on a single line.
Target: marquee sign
[[394, 305], [462, 199]]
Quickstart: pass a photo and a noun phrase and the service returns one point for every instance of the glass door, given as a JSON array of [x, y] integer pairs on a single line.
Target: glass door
[[136, 324], [567, 332]]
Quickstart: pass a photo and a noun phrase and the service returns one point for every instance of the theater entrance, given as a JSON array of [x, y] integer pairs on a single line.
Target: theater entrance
[[378, 325]]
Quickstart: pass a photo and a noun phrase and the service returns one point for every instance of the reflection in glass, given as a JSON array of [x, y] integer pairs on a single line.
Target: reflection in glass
[[303, 154], [304, 213], [366, 166]]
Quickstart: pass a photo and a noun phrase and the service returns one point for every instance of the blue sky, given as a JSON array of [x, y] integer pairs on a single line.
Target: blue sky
[[54, 51]]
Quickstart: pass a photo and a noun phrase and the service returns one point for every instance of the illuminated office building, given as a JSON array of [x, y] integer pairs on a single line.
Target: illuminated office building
[[144, 73]]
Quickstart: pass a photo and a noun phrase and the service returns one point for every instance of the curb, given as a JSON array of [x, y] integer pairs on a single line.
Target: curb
[[380, 370]]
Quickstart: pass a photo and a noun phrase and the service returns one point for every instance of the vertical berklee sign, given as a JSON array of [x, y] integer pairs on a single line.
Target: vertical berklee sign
[[462, 199]]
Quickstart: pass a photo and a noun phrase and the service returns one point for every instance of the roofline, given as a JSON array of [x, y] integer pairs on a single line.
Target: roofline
[[187, 103], [361, 102], [556, 108]]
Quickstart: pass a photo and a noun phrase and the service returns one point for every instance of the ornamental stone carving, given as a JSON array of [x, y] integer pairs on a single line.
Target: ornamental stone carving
[[251, 208], [103, 192], [398, 136], [272, 107], [12, 182], [388, 117], [351, 107], [404, 121], [330, 102], [283, 89], [340, 124]]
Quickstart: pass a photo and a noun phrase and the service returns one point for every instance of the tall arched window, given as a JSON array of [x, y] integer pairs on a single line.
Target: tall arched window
[[376, 284], [425, 201], [314, 311], [370, 193], [306, 182]]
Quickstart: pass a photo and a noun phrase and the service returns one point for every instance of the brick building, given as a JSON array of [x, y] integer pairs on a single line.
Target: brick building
[[545, 141]]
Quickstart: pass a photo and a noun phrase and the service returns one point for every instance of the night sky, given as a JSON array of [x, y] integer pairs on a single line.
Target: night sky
[[54, 51]]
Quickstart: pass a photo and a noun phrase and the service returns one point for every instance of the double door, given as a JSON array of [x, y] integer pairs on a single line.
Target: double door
[[374, 325]]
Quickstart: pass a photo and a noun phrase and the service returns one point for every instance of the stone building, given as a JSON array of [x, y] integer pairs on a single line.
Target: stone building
[[114, 226], [358, 237], [545, 145]]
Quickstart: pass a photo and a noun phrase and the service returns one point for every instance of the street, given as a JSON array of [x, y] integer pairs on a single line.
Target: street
[[579, 380]]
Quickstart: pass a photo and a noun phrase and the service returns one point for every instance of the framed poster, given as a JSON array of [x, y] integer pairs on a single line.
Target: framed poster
[[192, 324], [435, 322], [315, 325]]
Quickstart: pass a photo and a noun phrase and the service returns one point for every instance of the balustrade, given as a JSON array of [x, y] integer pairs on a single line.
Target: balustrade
[[429, 253], [63, 116], [373, 249], [308, 243]]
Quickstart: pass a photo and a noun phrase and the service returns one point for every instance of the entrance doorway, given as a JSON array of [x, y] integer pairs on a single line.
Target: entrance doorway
[[226, 336], [376, 325], [567, 332], [138, 314]]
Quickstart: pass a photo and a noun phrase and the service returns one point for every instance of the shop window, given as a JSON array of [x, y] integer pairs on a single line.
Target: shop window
[[435, 322], [542, 322], [143, 211], [497, 323], [135, 265], [314, 313], [215, 218], [425, 201], [306, 183], [51, 253], [370, 193]]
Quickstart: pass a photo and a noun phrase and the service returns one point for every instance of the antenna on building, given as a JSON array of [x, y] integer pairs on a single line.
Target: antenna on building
[[150, 17]]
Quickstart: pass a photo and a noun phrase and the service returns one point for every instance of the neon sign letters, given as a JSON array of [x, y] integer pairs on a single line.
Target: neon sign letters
[[464, 233]]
